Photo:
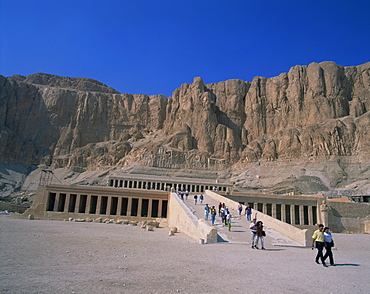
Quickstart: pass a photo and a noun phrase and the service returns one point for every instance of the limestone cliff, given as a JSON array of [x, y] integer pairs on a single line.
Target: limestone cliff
[[311, 113]]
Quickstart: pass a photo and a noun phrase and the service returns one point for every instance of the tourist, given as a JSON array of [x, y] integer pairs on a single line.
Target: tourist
[[219, 209], [329, 244], [226, 212], [318, 237], [228, 219], [223, 213], [260, 235], [186, 194], [213, 215], [195, 199], [248, 212], [201, 198], [240, 208], [253, 227], [206, 212]]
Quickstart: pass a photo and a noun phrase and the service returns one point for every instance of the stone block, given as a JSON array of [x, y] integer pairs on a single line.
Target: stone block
[[98, 220], [153, 223], [143, 224], [80, 220]]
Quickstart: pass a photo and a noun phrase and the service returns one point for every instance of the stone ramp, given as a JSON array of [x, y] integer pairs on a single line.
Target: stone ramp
[[240, 232]]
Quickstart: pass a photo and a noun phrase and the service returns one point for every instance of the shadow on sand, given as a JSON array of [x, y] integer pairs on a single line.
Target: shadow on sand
[[346, 264], [271, 249]]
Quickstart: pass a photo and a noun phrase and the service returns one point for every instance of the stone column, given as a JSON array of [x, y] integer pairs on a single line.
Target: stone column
[[129, 206], [310, 216], [283, 213], [56, 202], [150, 205], [139, 207], [301, 215], [160, 208], [119, 206], [88, 203], [264, 208], [292, 214], [109, 204], [255, 206], [273, 210], [98, 205], [68, 200], [77, 207], [324, 217]]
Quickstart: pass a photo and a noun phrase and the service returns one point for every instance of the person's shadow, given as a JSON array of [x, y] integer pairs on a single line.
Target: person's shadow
[[273, 250], [346, 264]]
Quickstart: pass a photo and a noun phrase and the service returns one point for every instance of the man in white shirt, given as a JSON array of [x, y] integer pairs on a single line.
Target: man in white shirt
[[253, 227]]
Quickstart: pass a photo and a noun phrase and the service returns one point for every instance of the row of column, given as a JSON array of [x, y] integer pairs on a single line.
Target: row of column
[[138, 184], [291, 214], [106, 205]]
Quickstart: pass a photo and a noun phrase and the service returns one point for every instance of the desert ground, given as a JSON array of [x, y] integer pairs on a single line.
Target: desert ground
[[46, 256]]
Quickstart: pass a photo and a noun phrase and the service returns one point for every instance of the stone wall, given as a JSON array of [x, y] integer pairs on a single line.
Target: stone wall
[[180, 216], [349, 217]]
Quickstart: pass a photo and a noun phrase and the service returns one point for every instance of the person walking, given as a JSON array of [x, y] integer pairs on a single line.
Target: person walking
[[240, 208], [260, 235], [228, 219], [226, 212], [319, 239], [195, 199], [201, 198], [253, 228], [223, 214], [248, 212], [206, 211], [328, 244], [219, 209], [213, 215]]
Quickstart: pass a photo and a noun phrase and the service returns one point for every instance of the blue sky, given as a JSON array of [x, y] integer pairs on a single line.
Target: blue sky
[[153, 46]]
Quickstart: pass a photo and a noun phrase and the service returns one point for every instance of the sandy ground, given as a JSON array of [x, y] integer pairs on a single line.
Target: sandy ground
[[45, 256]]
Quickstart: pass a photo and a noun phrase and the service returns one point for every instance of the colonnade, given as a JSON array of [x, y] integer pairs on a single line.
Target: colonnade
[[163, 185], [114, 205], [301, 214]]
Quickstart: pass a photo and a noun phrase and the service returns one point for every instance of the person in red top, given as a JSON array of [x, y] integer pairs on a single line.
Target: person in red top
[[260, 235]]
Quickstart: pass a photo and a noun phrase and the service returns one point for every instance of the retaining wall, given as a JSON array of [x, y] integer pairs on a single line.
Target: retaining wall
[[181, 217]]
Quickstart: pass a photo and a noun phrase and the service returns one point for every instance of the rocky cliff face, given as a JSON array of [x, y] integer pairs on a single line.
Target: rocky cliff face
[[312, 112]]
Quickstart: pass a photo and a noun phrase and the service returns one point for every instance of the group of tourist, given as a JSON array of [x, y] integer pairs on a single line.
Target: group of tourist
[[210, 210], [223, 212], [181, 194], [201, 198], [323, 239], [257, 234]]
